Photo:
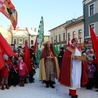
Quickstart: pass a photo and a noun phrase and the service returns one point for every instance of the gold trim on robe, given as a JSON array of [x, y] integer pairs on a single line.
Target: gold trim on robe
[[80, 57], [42, 71], [70, 49]]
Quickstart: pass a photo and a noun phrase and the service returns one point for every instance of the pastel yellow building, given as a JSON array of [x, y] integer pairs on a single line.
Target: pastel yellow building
[[6, 34]]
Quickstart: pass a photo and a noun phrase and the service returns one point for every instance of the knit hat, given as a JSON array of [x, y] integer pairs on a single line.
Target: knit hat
[[5, 56]]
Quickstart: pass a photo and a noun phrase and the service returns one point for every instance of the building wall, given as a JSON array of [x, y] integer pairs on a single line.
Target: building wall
[[68, 27], [96, 6], [76, 28], [56, 32], [6, 34], [32, 38], [90, 19], [46, 38], [19, 34], [96, 29]]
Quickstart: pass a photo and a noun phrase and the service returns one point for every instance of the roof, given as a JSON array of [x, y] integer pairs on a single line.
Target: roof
[[70, 22]]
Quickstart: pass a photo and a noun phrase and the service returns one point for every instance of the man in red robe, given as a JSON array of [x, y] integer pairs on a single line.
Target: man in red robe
[[71, 68]]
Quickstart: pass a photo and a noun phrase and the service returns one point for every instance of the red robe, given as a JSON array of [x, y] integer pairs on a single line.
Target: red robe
[[65, 70], [66, 67]]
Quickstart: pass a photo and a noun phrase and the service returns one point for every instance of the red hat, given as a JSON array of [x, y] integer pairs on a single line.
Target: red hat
[[73, 40]]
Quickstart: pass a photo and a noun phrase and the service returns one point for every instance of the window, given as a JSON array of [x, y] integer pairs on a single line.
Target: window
[[56, 38], [91, 10], [68, 36], [52, 39], [74, 34], [63, 36], [15, 41], [79, 33], [31, 42], [59, 37], [20, 41]]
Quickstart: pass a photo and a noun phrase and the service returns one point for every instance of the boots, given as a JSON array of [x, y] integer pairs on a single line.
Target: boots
[[7, 86], [2, 87], [47, 84], [51, 84], [74, 96], [72, 93], [22, 84]]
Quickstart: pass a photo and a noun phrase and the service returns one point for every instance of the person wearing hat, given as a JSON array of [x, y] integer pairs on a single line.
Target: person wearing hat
[[22, 72], [48, 69], [5, 72], [71, 68], [60, 56]]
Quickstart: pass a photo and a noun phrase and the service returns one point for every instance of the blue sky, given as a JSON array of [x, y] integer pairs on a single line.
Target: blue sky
[[54, 12]]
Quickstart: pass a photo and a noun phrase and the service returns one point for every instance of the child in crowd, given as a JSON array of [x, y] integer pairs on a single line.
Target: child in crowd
[[22, 71], [90, 69], [5, 72]]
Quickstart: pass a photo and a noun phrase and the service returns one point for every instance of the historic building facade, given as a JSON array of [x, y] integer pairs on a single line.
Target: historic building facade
[[75, 28], [90, 11], [58, 34], [20, 35], [70, 29]]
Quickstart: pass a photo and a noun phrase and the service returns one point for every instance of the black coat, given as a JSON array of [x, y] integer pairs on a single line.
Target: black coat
[[60, 56]]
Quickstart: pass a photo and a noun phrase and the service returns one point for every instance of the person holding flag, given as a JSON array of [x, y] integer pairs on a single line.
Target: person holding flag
[[4, 72], [94, 39]]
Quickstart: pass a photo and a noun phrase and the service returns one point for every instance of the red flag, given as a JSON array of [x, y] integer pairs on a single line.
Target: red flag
[[8, 9], [27, 59], [84, 79], [35, 46], [1, 59], [6, 47], [94, 42]]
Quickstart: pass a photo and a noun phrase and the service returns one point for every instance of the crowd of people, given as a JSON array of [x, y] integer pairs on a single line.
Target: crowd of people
[[74, 67], [15, 71]]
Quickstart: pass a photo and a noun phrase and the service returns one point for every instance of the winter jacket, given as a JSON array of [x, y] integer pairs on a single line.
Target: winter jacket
[[22, 69]]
